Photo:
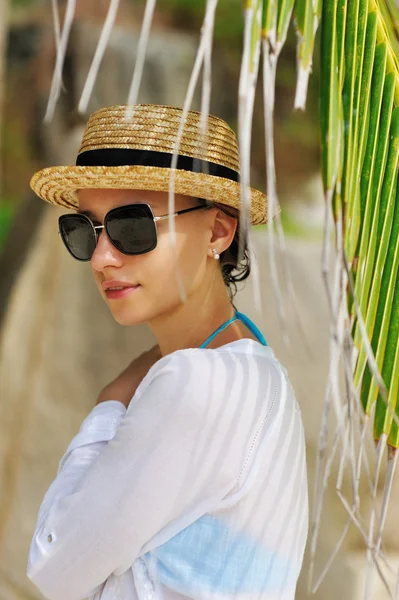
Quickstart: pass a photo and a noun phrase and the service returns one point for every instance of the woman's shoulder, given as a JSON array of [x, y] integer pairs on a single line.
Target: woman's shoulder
[[234, 369], [226, 356]]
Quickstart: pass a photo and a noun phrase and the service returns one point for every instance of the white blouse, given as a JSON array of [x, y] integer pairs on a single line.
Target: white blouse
[[197, 490]]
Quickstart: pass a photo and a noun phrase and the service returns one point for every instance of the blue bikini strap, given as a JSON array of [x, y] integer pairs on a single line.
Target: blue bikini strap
[[252, 327], [246, 320], [214, 334]]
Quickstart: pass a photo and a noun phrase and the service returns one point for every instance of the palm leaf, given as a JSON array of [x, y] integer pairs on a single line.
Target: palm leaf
[[359, 139], [359, 110]]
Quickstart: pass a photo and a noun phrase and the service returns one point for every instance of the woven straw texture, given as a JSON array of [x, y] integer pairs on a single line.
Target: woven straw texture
[[152, 127]]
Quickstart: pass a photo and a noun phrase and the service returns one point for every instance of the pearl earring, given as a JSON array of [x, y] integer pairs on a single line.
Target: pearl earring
[[215, 254]]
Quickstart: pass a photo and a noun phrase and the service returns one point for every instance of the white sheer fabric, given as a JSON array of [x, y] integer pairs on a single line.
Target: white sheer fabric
[[198, 490]]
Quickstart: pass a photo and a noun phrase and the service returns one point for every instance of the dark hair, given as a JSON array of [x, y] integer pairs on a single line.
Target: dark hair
[[233, 269]]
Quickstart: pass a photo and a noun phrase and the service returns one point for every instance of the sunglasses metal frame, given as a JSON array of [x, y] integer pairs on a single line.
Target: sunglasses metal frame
[[206, 205]]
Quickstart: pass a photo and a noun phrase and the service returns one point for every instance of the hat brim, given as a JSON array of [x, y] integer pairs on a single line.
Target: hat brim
[[59, 185]]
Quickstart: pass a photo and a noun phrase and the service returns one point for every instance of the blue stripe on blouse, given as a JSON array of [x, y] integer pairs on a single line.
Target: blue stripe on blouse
[[208, 557]]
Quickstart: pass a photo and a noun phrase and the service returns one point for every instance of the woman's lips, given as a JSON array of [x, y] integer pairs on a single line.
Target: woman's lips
[[116, 292]]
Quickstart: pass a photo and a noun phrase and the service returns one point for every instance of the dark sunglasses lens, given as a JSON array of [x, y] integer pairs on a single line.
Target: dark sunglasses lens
[[78, 236], [132, 229]]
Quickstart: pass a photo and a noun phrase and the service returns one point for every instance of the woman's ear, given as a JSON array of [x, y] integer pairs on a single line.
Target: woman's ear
[[223, 230]]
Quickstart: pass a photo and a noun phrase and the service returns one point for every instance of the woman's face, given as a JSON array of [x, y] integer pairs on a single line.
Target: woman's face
[[153, 272]]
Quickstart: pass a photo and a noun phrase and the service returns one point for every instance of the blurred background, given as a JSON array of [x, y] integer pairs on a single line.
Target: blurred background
[[58, 344]]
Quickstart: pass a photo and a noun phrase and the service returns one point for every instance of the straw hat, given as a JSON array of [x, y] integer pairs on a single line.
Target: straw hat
[[135, 152]]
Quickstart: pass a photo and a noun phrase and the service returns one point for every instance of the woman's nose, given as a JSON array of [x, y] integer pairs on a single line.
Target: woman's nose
[[105, 253]]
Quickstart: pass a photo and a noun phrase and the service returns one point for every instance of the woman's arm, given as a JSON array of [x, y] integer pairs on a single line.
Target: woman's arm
[[125, 385], [171, 456], [95, 432]]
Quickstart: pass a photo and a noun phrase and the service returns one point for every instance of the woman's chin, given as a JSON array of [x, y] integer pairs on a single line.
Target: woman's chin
[[128, 318], [127, 315], [133, 313]]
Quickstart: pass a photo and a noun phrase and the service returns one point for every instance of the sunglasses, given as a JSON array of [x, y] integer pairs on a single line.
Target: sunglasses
[[131, 229]]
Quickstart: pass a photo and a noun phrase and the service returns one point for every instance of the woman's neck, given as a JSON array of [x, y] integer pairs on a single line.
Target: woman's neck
[[193, 322]]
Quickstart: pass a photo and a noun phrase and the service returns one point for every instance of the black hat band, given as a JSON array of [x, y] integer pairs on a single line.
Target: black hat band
[[117, 157]]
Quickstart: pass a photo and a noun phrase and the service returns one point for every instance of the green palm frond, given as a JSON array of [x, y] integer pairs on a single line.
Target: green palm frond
[[363, 91], [359, 129]]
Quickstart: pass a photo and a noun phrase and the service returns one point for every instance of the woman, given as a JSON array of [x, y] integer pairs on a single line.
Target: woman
[[188, 477]]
